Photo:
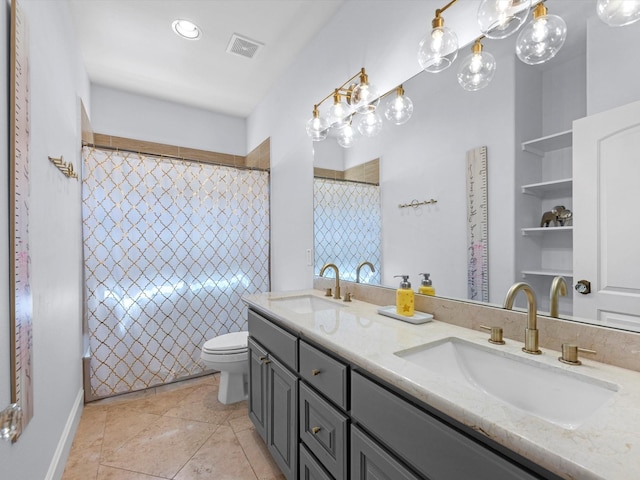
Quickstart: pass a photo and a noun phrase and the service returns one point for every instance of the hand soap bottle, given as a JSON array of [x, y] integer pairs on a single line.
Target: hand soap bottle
[[426, 288], [404, 297]]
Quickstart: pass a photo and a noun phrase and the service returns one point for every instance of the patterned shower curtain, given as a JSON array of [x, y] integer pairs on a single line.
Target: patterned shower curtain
[[170, 246], [347, 227]]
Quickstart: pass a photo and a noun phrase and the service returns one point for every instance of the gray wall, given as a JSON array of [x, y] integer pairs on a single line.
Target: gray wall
[[57, 81]]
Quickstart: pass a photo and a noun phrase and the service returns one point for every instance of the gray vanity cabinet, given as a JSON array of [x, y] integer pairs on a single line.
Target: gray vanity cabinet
[[431, 447], [369, 461], [273, 391], [323, 419]]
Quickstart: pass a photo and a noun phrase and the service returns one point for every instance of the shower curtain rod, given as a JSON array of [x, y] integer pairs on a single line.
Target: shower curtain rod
[[157, 155]]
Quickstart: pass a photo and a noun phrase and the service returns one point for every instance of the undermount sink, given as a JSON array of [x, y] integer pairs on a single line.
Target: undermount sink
[[307, 303], [553, 394]]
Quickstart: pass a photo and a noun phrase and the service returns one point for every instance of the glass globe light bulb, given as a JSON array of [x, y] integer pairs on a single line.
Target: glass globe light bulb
[[618, 13], [399, 108], [338, 112], [365, 98], [317, 127], [541, 38], [347, 136], [477, 70], [439, 48], [501, 18], [369, 124]]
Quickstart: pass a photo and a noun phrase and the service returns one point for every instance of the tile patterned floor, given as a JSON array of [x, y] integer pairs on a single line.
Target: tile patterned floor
[[178, 431]]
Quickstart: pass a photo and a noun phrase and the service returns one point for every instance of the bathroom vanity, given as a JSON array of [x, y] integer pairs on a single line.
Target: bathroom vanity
[[340, 392]]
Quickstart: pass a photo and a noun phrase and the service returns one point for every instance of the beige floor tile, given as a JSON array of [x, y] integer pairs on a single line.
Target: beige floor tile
[[259, 457], [220, 458], [240, 422], [162, 448], [162, 401], [110, 473], [202, 405], [122, 425], [83, 462]]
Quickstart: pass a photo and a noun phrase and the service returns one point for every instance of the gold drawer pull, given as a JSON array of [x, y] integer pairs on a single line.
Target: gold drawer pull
[[263, 358], [315, 430], [315, 372]]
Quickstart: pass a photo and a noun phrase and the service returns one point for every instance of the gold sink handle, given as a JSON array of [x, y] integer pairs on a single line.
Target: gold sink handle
[[570, 354], [496, 334]]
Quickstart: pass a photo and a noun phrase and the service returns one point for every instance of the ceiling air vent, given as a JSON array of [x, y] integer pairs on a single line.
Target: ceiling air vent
[[243, 46]]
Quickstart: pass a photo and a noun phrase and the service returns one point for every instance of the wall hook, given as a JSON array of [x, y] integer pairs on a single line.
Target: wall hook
[[65, 167]]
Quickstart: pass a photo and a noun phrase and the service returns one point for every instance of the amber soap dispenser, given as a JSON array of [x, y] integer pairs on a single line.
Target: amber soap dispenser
[[404, 297]]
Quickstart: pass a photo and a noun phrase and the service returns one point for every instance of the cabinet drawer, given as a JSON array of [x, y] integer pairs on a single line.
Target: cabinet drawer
[[276, 340], [369, 461], [310, 469], [325, 431], [324, 373], [429, 445]]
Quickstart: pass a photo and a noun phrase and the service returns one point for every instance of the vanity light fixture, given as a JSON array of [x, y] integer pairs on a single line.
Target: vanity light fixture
[[347, 136], [339, 112], [358, 114], [317, 126], [542, 37], [501, 18], [439, 48], [186, 29], [399, 108], [477, 70], [618, 13]]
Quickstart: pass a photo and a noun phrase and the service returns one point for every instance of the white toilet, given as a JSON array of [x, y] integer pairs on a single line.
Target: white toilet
[[228, 354]]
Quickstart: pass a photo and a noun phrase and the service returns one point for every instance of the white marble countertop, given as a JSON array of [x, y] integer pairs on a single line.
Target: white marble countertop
[[605, 446]]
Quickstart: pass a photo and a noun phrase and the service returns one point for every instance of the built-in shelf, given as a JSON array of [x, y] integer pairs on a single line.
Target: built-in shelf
[[545, 230], [548, 273], [543, 145], [546, 189]]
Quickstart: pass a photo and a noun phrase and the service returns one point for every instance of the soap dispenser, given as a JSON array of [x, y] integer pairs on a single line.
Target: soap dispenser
[[426, 288], [404, 297]]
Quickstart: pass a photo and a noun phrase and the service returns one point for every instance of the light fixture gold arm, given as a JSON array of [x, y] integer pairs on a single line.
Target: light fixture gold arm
[[341, 90]]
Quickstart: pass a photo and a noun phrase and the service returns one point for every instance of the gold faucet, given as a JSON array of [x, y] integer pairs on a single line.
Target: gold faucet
[[531, 332], [336, 292], [558, 287], [362, 264]]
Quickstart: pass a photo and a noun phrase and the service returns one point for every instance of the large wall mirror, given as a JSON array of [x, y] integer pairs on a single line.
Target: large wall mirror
[[424, 161]]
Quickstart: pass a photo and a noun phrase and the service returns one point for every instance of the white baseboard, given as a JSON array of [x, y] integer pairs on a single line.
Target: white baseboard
[[59, 460]]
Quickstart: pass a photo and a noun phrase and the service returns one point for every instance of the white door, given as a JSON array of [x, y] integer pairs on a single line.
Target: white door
[[606, 205]]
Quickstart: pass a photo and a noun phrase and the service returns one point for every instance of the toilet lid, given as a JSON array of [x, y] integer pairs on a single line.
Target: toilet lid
[[228, 343]]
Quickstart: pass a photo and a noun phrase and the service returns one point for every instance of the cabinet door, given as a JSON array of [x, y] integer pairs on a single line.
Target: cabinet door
[[282, 418], [607, 225], [369, 461], [258, 387]]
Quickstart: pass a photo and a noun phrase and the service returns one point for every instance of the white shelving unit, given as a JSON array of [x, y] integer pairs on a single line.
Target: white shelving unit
[[546, 230], [543, 145], [547, 251], [553, 187]]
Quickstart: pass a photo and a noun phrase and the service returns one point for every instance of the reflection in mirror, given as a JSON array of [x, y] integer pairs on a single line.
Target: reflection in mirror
[[347, 223], [517, 116]]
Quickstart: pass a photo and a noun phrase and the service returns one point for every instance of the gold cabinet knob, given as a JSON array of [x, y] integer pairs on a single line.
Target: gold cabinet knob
[[570, 354], [496, 334], [315, 430], [315, 372]]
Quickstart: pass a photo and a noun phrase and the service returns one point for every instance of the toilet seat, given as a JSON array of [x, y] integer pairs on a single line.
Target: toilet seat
[[229, 344]]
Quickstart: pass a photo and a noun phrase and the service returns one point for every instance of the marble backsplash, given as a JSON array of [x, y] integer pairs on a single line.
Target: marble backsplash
[[613, 347]]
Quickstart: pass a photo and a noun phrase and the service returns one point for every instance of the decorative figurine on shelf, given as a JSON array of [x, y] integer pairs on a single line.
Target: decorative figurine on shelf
[[558, 214]]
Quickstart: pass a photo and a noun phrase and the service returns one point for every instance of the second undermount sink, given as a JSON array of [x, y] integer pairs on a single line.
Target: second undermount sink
[[307, 303], [565, 398]]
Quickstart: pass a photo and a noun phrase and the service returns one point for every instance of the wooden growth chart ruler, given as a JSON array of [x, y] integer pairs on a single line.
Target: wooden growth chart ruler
[[477, 226]]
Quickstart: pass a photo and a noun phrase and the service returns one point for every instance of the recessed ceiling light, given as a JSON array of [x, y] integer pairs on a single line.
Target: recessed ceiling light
[[186, 29]]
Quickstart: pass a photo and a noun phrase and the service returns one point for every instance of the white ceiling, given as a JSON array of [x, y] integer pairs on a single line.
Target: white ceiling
[[129, 45]]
